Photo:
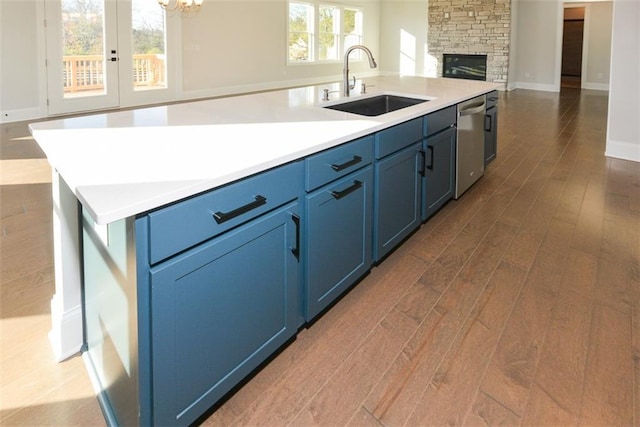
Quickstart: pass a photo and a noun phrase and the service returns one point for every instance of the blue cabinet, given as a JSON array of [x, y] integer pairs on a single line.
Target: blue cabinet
[[398, 195], [337, 222], [440, 154], [218, 279], [338, 238], [219, 310], [491, 128], [439, 171], [182, 303], [398, 182]]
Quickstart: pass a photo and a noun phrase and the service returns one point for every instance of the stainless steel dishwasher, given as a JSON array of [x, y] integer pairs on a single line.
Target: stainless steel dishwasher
[[470, 145]]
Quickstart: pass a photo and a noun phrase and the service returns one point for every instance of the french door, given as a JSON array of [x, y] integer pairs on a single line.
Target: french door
[[104, 54]]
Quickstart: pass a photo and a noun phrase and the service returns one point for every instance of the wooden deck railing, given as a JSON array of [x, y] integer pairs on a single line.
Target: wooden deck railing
[[86, 72]]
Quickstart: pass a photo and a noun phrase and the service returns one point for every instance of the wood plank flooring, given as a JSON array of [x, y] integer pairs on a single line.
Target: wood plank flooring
[[518, 304]]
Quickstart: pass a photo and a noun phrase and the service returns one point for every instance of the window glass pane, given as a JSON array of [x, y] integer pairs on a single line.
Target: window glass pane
[[352, 29], [300, 32], [329, 32], [83, 48], [148, 38]]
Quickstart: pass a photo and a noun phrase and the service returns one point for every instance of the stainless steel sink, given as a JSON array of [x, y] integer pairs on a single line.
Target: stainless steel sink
[[376, 105]]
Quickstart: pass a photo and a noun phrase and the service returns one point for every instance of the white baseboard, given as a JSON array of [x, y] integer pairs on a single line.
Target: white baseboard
[[66, 330], [10, 116], [623, 150], [595, 86], [536, 86]]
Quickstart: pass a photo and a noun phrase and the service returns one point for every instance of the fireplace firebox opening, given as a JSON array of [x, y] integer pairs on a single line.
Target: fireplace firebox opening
[[472, 67]]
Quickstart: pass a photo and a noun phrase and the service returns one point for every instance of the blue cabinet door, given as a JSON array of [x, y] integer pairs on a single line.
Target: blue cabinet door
[[397, 198], [219, 310], [338, 238], [490, 135], [439, 171]]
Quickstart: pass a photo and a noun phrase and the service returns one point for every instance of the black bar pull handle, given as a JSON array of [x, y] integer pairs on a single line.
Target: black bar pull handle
[[423, 163], [340, 194], [296, 251], [221, 217], [487, 122], [354, 161], [430, 148]]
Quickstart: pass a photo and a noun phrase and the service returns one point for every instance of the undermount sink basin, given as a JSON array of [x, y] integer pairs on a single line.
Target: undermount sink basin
[[376, 105]]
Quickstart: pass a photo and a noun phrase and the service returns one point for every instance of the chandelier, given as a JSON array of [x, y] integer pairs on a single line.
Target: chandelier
[[183, 5]]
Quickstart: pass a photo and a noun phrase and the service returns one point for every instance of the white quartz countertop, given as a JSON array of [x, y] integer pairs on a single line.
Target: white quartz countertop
[[124, 163]]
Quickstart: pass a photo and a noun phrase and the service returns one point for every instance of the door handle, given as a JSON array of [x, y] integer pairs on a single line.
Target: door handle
[[423, 154], [487, 123], [340, 194], [296, 251], [430, 148]]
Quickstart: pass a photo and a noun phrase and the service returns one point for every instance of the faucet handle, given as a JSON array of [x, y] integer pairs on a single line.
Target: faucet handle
[[351, 86]]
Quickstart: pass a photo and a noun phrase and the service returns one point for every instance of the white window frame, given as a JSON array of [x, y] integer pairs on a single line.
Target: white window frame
[[314, 47]]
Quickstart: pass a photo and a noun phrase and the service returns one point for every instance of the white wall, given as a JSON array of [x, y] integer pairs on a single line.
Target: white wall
[[403, 40], [597, 43], [623, 129], [22, 78], [211, 65], [597, 49], [537, 46], [536, 62]]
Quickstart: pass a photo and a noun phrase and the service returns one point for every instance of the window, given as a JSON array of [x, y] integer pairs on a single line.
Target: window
[[352, 28], [300, 32], [320, 32], [328, 32]]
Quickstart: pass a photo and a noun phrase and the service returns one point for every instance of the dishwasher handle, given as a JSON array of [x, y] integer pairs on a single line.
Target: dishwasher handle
[[472, 110]]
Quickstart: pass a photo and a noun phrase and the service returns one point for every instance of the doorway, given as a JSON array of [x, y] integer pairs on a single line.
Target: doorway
[[572, 47], [104, 54]]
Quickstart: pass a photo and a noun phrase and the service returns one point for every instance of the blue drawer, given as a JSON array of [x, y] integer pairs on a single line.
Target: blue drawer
[[439, 120], [187, 223], [397, 137], [337, 162]]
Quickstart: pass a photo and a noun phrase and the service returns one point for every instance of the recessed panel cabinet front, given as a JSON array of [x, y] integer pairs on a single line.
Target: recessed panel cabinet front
[[338, 238], [439, 171], [219, 310], [491, 128], [397, 201]]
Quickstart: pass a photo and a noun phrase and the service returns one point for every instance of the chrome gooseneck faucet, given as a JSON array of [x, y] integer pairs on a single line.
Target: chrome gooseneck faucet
[[345, 70]]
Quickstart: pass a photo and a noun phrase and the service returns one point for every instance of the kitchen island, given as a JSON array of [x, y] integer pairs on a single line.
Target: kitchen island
[[138, 183]]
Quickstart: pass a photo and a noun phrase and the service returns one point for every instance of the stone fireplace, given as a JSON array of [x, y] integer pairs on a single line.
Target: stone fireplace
[[471, 27]]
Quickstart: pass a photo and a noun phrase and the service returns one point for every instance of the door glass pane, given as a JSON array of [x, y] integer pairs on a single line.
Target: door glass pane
[[83, 47], [149, 55]]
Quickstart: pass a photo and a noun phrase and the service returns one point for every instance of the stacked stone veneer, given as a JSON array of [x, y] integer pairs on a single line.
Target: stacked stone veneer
[[471, 27]]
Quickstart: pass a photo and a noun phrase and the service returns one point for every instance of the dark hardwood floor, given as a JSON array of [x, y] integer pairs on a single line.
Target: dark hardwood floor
[[518, 304]]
